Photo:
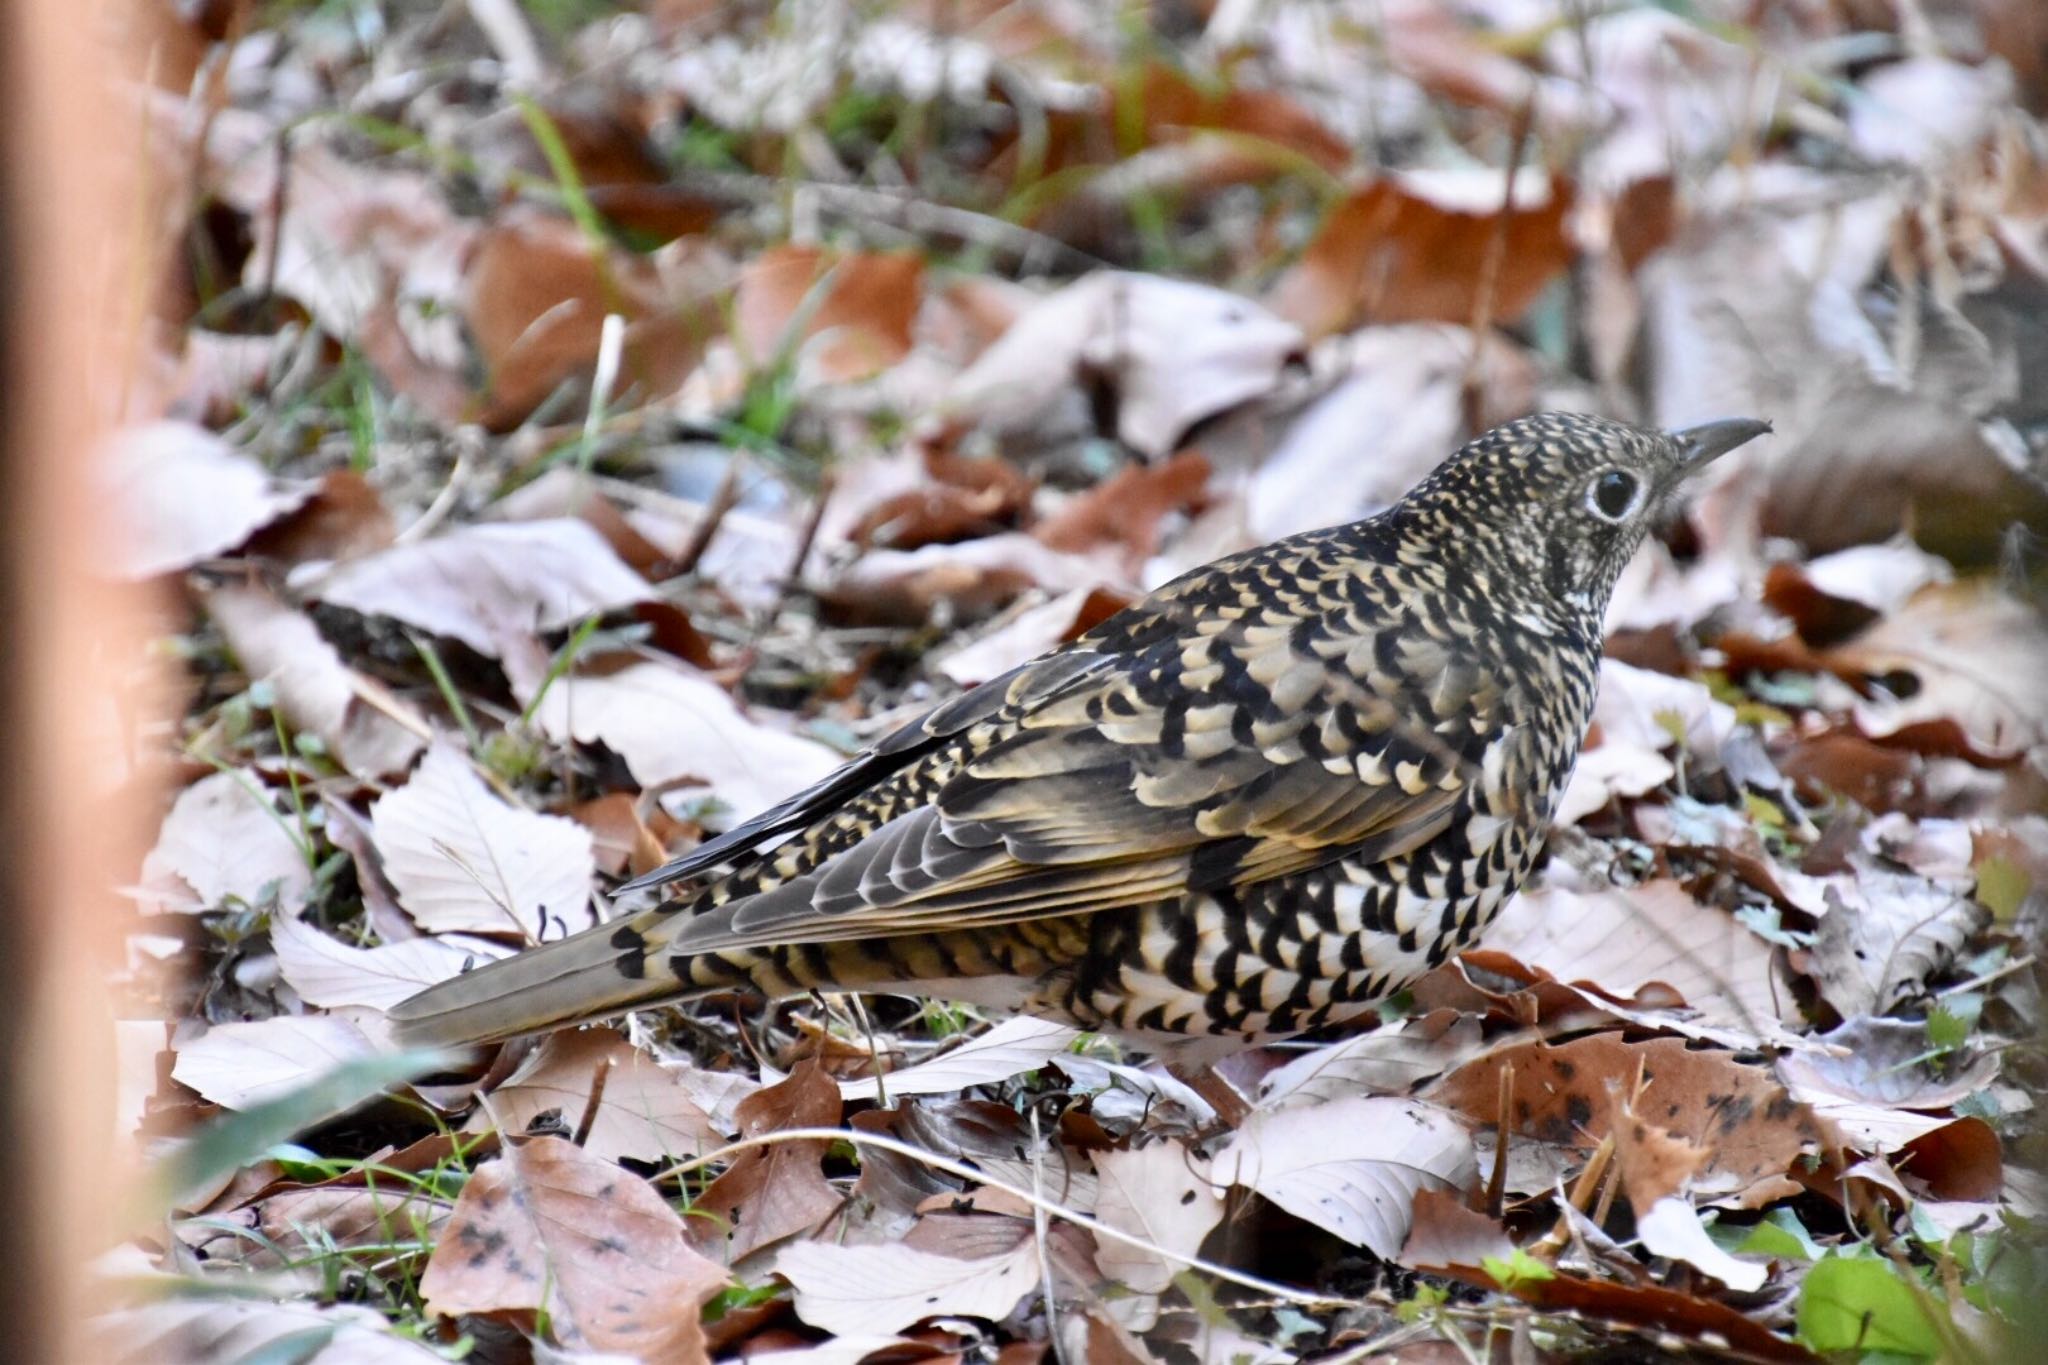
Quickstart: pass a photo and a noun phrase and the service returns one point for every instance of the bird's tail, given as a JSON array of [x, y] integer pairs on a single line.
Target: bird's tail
[[601, 972]]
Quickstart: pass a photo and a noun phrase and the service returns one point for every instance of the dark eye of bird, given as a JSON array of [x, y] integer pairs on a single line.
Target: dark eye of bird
[[1612, 493]]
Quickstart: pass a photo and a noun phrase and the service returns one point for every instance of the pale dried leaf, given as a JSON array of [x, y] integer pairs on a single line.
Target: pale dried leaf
[[1886, 1062], [1391, 1059], [195, 1329], [493, 586], [1351, 1167], [224, 839], [1885, 933], [854, 1291], [242, 1064], [1671, 1227], [549, 1226], [645, 1112], [1630, 714], [1174, 352], [316, 692], [334, 975], [1163, 1194], [463, 859], [1011, 1048], [670, 724], [185, 495], [1622, 939]]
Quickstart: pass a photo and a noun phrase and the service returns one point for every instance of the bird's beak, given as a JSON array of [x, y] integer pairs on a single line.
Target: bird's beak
[[1706, 443]]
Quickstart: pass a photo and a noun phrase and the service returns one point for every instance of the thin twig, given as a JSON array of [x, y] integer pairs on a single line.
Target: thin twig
[[722, 500]]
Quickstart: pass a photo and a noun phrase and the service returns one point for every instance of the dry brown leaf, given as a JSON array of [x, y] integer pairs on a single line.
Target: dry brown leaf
[[243, 1064], [1163, 1194], [345, 518], [184, 495], [299, 1222], [1447, 1235], [1126, 509], [536, 291], [1352, 1166], [1885, 933], [969, 580], [1411, 248], [224, 839], [770, 1193], [493, 586], [644, 1112], [1750, 1128], [1172, 353], [464, 860], [849, 314], [550, 1227], [620, 839], [367, 729], [671, 724], [335, 975]]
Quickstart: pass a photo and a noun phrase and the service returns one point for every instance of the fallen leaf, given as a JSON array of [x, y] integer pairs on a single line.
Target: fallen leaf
[[463, 859], [177, 1329], [335, 975], [1162, 1193], [1751, 1129], [670, 724], [1171, 352], [1391, 1059], [968, 580], [536, 289], [849, 314], [550, 1227], [239, 1065], [1125, 509], [1447, 1235], [1625, 939], [852, 1291], [1885, 933], [1637, 715], [1030, 633], [224, 839], [769, 1193], [1351, 1167], [185, 495], [493, 585], [367, 729], [1886, 1062], [1961, 654], [645, 1112], [1410, 247], [1014, 1046]]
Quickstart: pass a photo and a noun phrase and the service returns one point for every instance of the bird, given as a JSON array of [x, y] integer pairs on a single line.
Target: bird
[[1251, 805]]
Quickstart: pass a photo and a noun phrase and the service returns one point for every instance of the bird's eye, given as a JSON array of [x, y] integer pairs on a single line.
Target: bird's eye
[[1612, 494]]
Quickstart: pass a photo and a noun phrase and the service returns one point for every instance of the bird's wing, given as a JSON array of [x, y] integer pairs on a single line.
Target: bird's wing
[[1093, 780]]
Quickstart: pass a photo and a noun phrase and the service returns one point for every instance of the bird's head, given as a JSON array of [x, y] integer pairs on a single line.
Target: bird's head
[[1556, 504]]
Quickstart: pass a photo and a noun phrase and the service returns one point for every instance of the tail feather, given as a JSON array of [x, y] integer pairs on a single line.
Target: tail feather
[[578, 980]]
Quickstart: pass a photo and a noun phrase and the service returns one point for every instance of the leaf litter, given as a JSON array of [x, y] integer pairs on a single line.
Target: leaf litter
[[941, 336]]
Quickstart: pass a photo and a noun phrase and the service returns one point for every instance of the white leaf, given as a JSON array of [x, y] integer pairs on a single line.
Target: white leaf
[[1391, 1059], [1163, 1194], [1351, 1167], [332, 975], [1672, 1228], [669, 724], [185, 495], [462, 859], [645, 1112], [240, 1065], [191, 1329], [224, 838], [1011, 1048], [1630, 712], [316, 692], [493, 585], [1885, 933], [862, 1291]]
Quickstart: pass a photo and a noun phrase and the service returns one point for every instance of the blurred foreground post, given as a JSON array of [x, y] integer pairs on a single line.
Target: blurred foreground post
[[66, 226]]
